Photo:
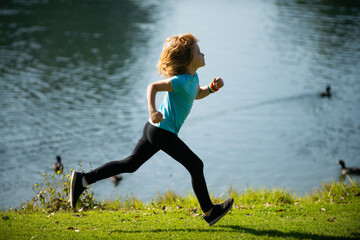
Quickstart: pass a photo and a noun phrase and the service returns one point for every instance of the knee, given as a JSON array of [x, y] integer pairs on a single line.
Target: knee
[[132, 164], [198, 164], [132, 169]]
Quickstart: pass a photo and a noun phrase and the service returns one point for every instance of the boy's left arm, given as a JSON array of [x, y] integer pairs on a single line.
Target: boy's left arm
[[204, 91]]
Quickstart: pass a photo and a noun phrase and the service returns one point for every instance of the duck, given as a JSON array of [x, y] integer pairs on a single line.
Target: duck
[[351, 170], [116, 179], [327, 93], [58, 166]]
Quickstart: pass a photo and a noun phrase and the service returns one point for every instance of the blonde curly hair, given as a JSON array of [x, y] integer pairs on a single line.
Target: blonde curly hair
[[176, 55]]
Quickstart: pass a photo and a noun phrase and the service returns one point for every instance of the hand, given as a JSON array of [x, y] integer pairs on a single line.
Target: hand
[[218, 82], [156, 117]]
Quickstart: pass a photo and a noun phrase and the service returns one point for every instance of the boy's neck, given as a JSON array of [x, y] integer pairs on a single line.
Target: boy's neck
[[190, 70]]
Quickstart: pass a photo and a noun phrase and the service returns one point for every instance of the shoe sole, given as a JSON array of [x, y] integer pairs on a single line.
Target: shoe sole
[[219, 217], [72, 185]]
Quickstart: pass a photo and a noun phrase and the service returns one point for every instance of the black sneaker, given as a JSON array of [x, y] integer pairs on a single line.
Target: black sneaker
[[219, 210], [76, 187]]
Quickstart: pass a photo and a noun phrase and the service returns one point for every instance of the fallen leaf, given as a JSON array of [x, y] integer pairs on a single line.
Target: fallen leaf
[[331, 219], [322, 209], [269, 205], [192, 210], [195, 215], [280, 210], [72, 228]]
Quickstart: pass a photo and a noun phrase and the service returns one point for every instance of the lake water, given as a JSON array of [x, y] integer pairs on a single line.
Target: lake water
[[73, 78]]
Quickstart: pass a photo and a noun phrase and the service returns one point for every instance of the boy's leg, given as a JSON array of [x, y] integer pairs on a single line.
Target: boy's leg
[[182, 153], [177, 149], [142, 152]]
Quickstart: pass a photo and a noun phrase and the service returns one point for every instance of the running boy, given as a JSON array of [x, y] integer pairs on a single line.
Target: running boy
[[179, 61]]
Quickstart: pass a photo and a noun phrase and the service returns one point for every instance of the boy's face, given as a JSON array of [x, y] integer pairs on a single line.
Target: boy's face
[[198, 59]]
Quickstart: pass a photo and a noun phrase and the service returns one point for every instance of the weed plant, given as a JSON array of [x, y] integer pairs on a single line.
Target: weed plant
[[336, 192], [53, 195]]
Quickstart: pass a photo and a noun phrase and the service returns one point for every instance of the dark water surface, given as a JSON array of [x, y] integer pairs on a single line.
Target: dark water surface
[[73, 80]]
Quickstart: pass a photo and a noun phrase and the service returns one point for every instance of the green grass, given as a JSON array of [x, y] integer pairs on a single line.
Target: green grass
[[330, 212], [301, 221]]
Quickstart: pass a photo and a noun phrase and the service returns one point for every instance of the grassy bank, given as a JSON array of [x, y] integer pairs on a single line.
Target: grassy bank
[[330, 212]]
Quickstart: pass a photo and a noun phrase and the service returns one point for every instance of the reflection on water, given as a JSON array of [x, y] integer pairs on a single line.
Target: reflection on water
[[73, 77], [65, 80]]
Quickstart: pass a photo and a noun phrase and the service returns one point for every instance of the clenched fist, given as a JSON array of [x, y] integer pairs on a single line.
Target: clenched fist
[[156, 117], [218, 83]]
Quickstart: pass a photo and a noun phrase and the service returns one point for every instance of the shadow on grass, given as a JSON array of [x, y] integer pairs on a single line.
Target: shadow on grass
[[240, 229], [276, 233]]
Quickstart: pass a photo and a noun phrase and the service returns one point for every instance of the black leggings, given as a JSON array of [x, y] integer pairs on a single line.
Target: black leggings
[[153, 140]]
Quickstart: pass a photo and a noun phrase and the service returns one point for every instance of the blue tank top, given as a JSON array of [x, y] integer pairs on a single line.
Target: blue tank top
[[176, 105]]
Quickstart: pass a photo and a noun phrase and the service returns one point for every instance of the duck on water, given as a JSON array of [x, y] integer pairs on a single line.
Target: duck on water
[[58, 166], [350, 170]]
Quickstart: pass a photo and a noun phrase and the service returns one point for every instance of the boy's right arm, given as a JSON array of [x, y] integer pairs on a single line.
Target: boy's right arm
[[152, 89]]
